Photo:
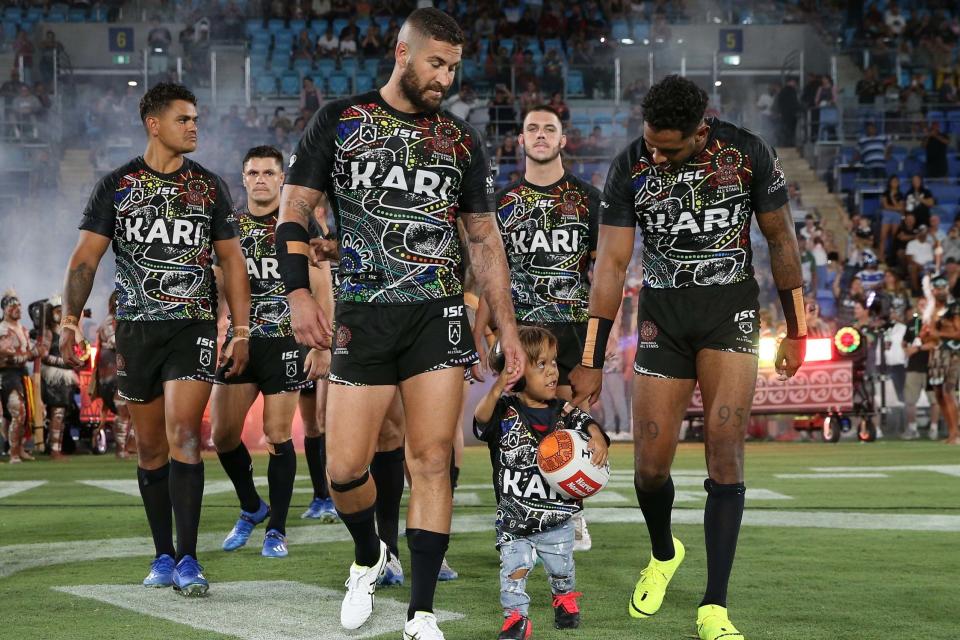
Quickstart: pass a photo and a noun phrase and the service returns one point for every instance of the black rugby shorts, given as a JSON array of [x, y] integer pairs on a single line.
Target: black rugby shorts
[[151, 353]]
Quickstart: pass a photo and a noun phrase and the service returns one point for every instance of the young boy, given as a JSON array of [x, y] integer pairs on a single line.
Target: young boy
[[533, 519]]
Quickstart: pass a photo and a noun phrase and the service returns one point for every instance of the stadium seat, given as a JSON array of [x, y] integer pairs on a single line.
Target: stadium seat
[[254, 26], [362, 25], [338, 84], [275, 24], [326, 66], [470, 69], [506, 43], [12, 14], [372, 66], [363, 83], [383, 22], [575, 86], [303, 67], [348, 66], [552, 43], [953, 122], [77, 14], [283, 42], [338, 25], [298, 25], [641, 31], [620, 30], [10, 30], [829, 119], [266, 84], [57, 13], [945, 194], [289, 84]]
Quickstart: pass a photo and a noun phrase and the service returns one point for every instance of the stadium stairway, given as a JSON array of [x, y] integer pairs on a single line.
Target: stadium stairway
[[815, 195], [76, 171]]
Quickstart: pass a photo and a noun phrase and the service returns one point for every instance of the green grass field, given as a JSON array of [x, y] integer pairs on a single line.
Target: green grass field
[[874, 553]]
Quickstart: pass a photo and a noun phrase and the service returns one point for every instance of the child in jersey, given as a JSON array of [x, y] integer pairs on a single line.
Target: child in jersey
[[532, 519]]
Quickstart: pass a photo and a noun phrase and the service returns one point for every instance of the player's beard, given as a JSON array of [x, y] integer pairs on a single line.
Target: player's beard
[[551, 156], [415, 93]]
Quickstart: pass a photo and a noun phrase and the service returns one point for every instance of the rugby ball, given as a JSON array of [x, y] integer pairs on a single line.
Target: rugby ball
[[564, 461]]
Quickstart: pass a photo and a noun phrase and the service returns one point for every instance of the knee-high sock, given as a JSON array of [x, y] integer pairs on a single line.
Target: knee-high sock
[[186, 497], [316, 451], [281, 472], [239, 467], [362, 528], [721, 526], [155, 492], [657, 506], [387, 472], [427, 549]]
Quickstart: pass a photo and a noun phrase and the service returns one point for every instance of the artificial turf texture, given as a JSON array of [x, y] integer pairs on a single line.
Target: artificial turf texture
[[788, 583]]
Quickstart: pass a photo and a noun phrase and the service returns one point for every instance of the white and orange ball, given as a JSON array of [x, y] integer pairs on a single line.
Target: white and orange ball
[[564, 461]]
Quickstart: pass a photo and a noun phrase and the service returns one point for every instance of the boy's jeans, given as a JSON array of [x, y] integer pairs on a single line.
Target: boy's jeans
[[554, 547]]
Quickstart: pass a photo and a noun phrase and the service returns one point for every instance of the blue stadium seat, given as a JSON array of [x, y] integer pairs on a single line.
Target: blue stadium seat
[[266, 84], [34, 14], [828, 304], [298, 25], [362, 25], [97, 14], [275, 24], [641, 31], [553, 43], [77, 14], [326, 66], [363, 83], [936, 116], [254, 26], [575, 86], [290, 84], [12, 13], [338, 25], [259, 48], [945, 194], [303, 67], [10, 30], [319, 26], [506, 43], [57, 13], [349, 66], [470, 69], [338, 84], [620, 29], [953, 122], [383, 22], [372, 66]]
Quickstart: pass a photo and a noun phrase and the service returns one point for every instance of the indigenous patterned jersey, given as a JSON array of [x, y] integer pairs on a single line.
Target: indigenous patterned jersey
[[163, 227], [396, 183], [269, 312], [549, 233], [528, 504], [695, 220]]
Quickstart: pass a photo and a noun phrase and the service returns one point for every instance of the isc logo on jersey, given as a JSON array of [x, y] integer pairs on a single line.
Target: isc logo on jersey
[[163, 231], [263, 269], [419, 181], [554, 241]]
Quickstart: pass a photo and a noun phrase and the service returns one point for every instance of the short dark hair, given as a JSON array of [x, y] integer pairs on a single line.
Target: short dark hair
[[546, 108], [533, 340], [436, 24], [675, 103], [264, 151], [161, 95]]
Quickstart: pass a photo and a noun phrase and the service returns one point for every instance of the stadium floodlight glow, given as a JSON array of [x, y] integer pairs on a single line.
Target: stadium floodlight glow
[[131, 83], [733, 61], [157, 50], [602, 39], [646, 41], [768, 352], [819, 350], [718, 83], [679, 40], [626, 41], [847, 340]]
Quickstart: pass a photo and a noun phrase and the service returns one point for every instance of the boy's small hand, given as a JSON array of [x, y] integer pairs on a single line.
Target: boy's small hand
[[598, 446]]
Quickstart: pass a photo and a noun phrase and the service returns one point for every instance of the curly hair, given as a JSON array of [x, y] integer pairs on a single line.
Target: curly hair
[[675, 103], [161, 95]]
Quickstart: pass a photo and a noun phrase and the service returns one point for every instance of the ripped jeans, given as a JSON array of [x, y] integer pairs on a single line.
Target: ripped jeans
[[554, 547]]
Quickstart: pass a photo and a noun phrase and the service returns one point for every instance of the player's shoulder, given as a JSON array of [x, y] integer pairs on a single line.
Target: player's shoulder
[[334, 109], [503, 192], [582, 185], [734, 135]]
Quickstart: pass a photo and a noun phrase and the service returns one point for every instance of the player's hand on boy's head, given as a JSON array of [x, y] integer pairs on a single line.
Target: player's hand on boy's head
[[598, 445]]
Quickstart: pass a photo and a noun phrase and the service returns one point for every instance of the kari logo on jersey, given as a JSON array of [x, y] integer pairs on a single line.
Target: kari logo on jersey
[[664, 220], [554, 241], [163, 231], [454, 331], [419, 181]]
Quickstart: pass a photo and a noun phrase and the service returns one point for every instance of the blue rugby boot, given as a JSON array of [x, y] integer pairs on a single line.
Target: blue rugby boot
[[241, 531], [274, 545], [188, 578], [161, 572]]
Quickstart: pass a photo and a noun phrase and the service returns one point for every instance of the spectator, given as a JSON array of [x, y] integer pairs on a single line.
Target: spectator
[[159, 37], [765, 104], [810, 228], [787, 110], [372, 45], [906, 233], [826, 95], [936, 233], [304, 47], [328, 44], [846, 301], [894, 355], [461, 103], [348, 42], [892, 208], [508, 153], [951, 244], [894, 20], [894, 294], [808, 265], [873, 149], [556, 101], [870, 275], [252, 121], [575, 143], [232, 122], [936, 145], [280, 120], [634, 92], [50, 56], [920, 256], [598, 180], [311, 98], [919, 199], [869, 87], [817, 327], [635, 121], [552, 72], [503, 115], [26, 107], [23, 47], [531, 97]]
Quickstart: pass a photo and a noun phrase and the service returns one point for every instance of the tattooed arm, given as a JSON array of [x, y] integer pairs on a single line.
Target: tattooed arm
[[310, 324], [81, 271], [777, 227], [489, 262]]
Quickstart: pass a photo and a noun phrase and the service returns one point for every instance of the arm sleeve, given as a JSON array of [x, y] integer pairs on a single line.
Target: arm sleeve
[[489, 431], [580, 420], [100, 214], [224, 222], [311, 164], [617, 208], [593, 202], [476, 189], [768, 186]]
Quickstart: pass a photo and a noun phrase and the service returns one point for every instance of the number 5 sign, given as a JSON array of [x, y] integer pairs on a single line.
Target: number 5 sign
[[731, 40], [121, 39]]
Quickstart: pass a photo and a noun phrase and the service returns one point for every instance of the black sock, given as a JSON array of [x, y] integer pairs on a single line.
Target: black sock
[[186, 496], [387, 472], [656, 506], [239, 468], [362, 527], [316, 450], [281, 472], [721, 526], [427, 549], [155, 491]]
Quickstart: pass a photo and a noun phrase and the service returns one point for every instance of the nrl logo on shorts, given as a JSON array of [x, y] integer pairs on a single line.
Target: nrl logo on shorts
[[454, 332], [746, 327], [206, 357], [291, 369], [648, 331], [368, 132]]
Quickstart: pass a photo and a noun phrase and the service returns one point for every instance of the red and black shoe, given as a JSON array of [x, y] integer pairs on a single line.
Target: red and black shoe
[[516, 627], [566, 612]]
